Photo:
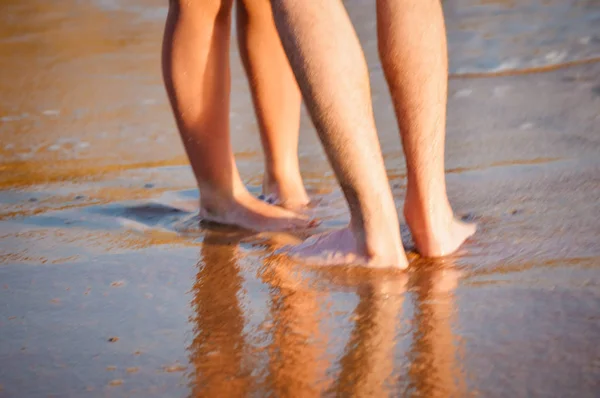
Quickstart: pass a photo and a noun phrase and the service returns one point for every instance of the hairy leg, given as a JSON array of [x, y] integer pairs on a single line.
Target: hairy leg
[[196, 73], [413, 52], [326, 57], [277, 101]]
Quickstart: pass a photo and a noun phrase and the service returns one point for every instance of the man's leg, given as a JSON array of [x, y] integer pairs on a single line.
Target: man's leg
[[367, 366], [329, 65], [412, 47], [276, 100], [196, 73]]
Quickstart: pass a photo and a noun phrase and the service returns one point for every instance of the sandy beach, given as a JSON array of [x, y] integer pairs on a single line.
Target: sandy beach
[[110, 287]]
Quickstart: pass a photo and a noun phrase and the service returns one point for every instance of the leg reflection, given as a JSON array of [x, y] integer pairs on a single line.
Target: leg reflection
[[297, 362], [368, 367], [433, 370], [218, 346], [368, 364]]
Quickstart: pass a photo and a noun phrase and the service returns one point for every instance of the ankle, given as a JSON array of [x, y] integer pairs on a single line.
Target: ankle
[[427, 212], [379, 241], [434, 229], [287, 187], [281, 176], [215, 200]]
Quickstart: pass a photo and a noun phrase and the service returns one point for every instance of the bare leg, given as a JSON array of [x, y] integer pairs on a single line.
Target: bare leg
[[412, 47], [277, 101], [329, 65], [196, 74]]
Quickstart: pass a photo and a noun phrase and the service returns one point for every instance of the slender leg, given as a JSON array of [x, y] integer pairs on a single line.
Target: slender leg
[[412, 48], [332, 73], [218, 348], [196, 73], [277, 101]]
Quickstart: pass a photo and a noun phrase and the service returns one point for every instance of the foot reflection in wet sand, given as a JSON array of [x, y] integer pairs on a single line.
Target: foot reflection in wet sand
[[298, 362], [434, 370], [297, 358], [368, 363], [218, 346], [223, 358], [368, 367]]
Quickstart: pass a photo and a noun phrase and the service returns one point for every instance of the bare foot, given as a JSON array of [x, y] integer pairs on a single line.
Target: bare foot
[[343, 247], [287, 192], [248, 212], [436, 232]]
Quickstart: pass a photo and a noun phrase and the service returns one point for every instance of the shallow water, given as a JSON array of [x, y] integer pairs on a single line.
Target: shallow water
[[109, 288]]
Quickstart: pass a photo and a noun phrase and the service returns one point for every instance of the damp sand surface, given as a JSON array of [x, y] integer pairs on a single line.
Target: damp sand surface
[[108, 286]]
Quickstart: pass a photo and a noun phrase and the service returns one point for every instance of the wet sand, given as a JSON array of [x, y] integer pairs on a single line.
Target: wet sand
[[109, 288]]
